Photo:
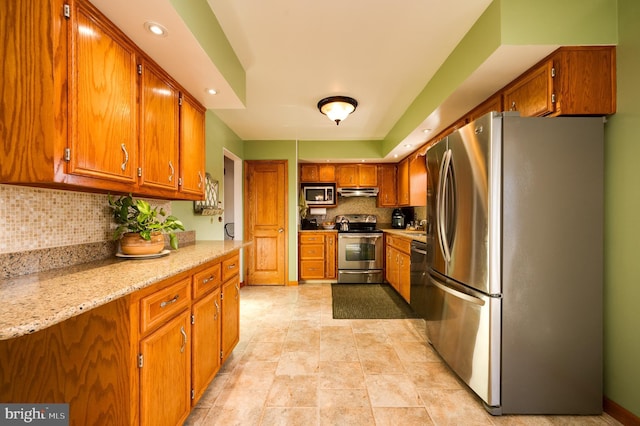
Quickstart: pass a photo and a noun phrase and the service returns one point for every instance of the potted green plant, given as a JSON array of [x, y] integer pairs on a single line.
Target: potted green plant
[[141, 227]]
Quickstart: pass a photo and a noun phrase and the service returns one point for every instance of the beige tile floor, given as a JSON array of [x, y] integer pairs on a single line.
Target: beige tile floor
[[296, 365]]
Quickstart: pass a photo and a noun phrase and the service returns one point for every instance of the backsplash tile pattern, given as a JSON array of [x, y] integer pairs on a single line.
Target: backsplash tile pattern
[[37, 218]]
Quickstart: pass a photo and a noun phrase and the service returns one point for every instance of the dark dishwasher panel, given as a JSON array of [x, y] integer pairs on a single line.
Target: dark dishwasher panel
[[419, 277]]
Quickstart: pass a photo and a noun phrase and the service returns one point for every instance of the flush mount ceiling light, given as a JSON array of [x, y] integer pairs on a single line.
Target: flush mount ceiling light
[[156, 29], [337, 108]]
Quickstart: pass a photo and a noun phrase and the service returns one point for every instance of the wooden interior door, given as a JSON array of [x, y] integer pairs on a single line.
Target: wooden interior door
[[266, 222]]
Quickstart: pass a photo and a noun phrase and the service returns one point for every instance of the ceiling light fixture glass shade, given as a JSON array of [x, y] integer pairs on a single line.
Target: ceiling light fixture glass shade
[[337, 108]]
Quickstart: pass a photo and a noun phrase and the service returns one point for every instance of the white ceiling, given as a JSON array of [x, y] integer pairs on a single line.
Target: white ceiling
[[296, 52]]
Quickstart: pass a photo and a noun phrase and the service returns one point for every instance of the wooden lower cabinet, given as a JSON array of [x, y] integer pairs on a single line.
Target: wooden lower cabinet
[[206, 323], [142, 359], [230, 316], [165, 373], [318, 256], [398, 264]]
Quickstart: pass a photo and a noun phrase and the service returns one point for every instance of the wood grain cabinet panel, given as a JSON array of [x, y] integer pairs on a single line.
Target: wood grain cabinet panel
[[165, 375], [230, 316], [317, 173], [403, 182], [206, 330], [192, 148], [398, 262], [357, 175], [317, 256], [158, 130], [387, 195], [531, 95]]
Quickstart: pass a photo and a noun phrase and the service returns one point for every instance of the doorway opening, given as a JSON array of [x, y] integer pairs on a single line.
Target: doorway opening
[[232, 196]]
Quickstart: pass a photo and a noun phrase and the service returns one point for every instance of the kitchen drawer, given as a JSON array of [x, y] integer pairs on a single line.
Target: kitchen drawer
[[230, 267], [206, 280], [312, 251], [158, 307], [311, 238], [312, 269], [402, 244]]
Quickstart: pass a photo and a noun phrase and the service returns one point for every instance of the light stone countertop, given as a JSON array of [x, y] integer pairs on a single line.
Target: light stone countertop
[[30, 303], [412, 235]]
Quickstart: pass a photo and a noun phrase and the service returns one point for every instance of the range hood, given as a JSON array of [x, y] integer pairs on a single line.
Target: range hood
[[358, 192]]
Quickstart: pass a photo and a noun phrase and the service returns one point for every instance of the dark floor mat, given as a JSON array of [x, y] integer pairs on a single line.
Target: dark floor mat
[[368, 301]]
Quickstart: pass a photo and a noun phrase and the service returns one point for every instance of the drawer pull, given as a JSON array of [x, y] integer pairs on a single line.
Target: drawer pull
[[215, 317], [169, 302], [184, 339], [233, 265], [206, 280]]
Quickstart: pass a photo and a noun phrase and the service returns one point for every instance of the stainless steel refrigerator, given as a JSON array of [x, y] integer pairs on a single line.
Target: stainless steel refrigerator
[[515, 242]]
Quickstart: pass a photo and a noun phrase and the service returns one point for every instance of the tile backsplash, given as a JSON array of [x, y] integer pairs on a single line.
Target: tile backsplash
[[37, 218]]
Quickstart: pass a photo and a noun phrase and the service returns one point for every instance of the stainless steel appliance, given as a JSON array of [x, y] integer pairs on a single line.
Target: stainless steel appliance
[[319, 195], [360, 250], [514, 297], [419, 278]]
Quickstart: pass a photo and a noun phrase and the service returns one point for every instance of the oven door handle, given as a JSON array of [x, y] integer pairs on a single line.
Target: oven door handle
[[375, 271], [360, 237]]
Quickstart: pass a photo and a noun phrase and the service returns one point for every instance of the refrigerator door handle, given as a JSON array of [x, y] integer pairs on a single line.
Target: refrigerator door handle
[[457, 294], [442, 205]]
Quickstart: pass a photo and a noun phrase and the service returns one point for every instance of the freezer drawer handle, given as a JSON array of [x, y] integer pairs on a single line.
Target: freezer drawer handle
[[458, 294]]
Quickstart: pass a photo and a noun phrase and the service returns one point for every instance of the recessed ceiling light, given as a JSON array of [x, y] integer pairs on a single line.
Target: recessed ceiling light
[[426, 130], [211, 91], [156, 29], [408, 146], [395, 155]]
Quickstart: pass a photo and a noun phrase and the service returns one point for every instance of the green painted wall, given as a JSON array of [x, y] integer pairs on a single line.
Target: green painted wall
[[218, 137], [205, 27], [509, 22], [622, 224], [282, 150], [355, 150]]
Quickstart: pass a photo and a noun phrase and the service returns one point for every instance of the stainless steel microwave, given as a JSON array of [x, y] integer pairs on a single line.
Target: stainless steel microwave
[[319, 195]]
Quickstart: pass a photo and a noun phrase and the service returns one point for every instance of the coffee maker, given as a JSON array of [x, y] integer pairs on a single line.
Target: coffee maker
[[397, 219]]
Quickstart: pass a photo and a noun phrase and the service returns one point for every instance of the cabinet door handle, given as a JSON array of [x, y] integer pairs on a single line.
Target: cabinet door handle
[[169, 302], [172, 171], [237, 291], [513, 106], [123, 166], [215, 317], [184, 339], [200, 179]]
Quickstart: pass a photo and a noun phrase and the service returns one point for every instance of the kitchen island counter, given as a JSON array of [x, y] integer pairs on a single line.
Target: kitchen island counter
[[34, 302]]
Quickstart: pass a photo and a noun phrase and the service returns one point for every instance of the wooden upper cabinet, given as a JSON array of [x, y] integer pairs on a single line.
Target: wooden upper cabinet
[[103, 106], [571, 81], [403, 182], [158, 129], [192, 147], [531, 95], [357, 175], [417, 180], [493, 103], [317, 173], [387, 195], [585, 80]]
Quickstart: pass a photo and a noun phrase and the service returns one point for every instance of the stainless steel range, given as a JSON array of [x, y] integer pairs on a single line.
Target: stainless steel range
[[360, 249]]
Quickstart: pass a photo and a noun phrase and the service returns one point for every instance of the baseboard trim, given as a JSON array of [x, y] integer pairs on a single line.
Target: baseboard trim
[[294, 283], [620, 413]]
